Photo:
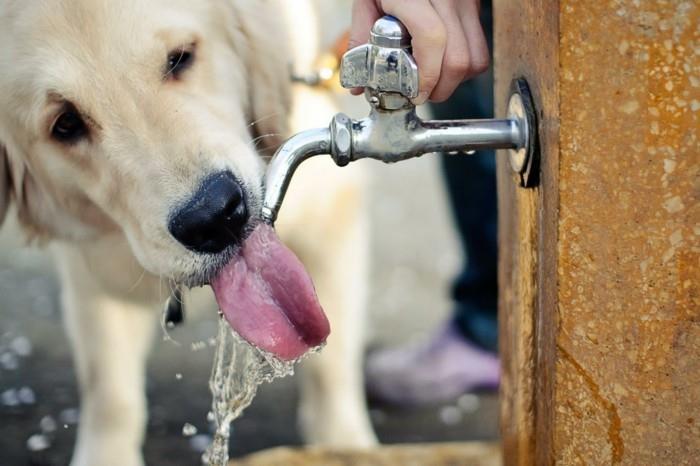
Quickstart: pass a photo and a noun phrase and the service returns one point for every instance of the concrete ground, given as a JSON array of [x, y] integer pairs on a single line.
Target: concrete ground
[[415, 254]]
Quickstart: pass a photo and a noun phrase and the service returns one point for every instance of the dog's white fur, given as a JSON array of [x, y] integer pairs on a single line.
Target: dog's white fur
[[103, 203]]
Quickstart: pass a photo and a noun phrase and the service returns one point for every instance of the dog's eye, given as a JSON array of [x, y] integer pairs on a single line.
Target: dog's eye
[[69, 127], [178, 62]]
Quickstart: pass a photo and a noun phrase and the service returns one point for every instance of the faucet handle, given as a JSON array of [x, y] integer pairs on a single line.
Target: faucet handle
[[385, 64]]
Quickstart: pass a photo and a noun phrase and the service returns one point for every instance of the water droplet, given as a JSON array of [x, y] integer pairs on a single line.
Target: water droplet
[[188, 430], [450, 415], [21, 346], [26, 395], [468, 402], [9, 398], [38, 442], [8, 361], [178, 376], [47, 424], [198, 346], [200, 442]]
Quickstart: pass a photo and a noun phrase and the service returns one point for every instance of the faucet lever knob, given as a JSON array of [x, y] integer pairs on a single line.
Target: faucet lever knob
[[385, 64]]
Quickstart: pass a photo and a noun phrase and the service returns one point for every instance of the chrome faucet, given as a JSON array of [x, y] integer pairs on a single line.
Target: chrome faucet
[[393, 131]]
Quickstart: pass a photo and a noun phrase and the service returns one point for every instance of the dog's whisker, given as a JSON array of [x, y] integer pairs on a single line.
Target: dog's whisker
[[177, 294], [177, 63], [174, 287], [166, 334], [262, 136], [256, 144], [163, 324], [255, 122], [138, 281]]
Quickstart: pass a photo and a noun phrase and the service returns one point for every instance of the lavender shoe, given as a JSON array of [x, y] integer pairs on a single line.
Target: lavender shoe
[[446, 367]]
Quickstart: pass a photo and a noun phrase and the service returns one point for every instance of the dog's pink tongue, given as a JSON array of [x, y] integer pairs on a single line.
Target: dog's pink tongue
[[268, 298]]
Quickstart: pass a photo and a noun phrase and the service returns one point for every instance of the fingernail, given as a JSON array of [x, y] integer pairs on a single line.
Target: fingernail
[[421, 99]]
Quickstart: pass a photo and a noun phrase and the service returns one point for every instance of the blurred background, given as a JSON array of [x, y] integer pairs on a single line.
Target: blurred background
[[415, 255]]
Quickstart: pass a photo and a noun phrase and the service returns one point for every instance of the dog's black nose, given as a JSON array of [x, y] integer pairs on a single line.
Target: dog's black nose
[[213, 218]]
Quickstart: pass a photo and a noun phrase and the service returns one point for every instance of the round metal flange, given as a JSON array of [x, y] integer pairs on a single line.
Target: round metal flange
[[341, 139], [524, 160], [518, 157]]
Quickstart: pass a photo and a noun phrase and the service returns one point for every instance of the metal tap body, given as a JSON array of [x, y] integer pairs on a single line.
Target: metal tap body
[[392, 136], [393, 131]]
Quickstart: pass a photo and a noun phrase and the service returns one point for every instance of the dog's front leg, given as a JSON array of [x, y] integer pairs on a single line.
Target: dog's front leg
[[110, 335], [333, 409]]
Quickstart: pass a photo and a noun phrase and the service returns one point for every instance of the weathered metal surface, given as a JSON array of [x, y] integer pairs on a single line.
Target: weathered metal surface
[[628, 341], [526, 44], [600, 306]]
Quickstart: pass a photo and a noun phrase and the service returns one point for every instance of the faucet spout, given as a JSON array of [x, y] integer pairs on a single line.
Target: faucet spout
[[288, 157]]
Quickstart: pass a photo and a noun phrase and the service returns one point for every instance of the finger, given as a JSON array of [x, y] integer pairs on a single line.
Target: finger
[[476, 40], [364, 14], [456, 61], [429, 37]]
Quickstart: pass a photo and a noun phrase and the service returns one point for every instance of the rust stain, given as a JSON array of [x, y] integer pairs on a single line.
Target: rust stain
[[617, 445]]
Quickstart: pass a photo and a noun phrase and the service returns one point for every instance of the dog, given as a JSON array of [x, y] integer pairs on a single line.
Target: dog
[[115, 115]]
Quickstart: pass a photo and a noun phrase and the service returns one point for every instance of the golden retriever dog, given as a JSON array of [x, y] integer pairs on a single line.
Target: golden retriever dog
[[133, 137]]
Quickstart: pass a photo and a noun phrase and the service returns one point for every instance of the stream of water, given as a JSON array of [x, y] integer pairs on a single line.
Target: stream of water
[[237, 371]]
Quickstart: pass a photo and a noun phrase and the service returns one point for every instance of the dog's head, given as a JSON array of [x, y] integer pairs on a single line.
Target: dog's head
[[142, 117]]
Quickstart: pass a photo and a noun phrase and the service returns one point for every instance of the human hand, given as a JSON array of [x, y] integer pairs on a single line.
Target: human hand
[[449, 45]]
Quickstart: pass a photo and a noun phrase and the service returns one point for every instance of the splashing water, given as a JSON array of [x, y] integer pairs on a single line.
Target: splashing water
[[237, 371], [38, 442], [188, 430]]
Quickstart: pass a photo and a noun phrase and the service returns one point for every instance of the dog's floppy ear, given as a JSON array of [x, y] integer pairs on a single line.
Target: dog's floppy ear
[[17, 184], [5, 184], [267, 59]]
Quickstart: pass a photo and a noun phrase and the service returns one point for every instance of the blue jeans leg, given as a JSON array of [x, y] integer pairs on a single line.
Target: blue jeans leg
[[471, 185]]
